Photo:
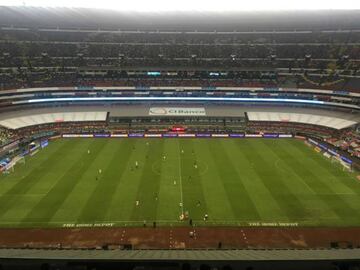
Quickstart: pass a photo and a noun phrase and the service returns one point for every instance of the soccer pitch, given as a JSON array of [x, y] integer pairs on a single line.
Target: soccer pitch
[[86, 182]]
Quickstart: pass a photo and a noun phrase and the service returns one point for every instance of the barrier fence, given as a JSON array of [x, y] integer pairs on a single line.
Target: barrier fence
[[176, 135]]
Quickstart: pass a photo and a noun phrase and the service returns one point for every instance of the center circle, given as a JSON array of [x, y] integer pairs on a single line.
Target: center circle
[[172, 164]]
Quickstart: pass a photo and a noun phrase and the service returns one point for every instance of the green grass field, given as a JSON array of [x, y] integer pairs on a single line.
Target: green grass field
[[250, 182]]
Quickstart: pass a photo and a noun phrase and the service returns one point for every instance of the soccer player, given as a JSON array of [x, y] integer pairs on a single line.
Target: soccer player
[[137, 203], [100, 171], [206, 216], [174, 182], [136, 164], [88, 151], [182, 151], [164, 158]]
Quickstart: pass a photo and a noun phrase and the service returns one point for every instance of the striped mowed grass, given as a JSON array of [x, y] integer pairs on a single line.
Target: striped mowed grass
[[95, 182]]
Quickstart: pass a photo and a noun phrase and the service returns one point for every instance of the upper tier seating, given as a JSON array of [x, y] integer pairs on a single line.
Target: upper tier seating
[[332, 122], [38, 119]]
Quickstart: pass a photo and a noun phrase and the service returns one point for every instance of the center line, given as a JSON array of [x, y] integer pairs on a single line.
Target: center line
[[180, 181]]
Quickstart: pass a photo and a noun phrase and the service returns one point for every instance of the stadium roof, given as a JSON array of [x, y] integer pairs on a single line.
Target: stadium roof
[[34, 17], [190, 5]]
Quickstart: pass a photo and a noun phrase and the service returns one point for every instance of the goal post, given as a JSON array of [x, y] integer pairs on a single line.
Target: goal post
[[344, 165], [11, 166], [21, 160]]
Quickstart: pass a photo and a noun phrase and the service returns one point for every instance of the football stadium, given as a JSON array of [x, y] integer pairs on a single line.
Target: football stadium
[[172, 139]]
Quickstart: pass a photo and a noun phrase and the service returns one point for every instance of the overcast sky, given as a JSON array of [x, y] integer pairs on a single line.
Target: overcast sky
[[192, 5]]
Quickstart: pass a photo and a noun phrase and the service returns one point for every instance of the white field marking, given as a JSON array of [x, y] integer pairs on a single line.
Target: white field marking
[[199, 221], [75, 222], [204, 167], [289, 171], [180, 180], [170, 239], [95, 222], [52, 186], [32, 194]]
